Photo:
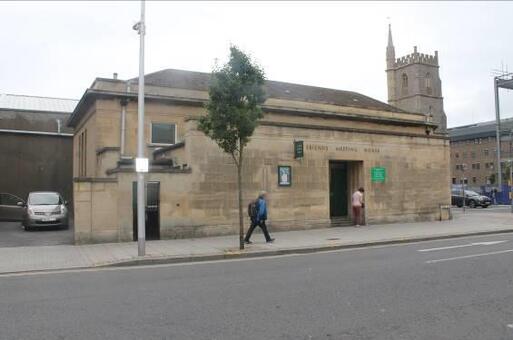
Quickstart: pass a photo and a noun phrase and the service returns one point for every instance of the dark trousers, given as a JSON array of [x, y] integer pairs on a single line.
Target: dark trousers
[[260, 224]]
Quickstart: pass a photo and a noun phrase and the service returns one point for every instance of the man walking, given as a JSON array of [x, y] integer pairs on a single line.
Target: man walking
[[259, 219], [358, 205]]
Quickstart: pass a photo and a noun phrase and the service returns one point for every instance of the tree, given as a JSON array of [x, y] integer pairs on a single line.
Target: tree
[[233, 111]]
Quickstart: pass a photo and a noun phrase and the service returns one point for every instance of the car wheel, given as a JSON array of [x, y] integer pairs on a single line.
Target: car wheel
[[472, 204], [27, 228]]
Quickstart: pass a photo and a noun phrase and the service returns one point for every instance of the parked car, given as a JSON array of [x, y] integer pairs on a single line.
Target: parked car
[[472, 199], [11, 207], [45, 209]]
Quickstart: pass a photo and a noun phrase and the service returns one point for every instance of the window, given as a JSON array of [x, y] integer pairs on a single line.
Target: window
[[404, 84], [162, 133], [486, 152], [474, 180], [454, 180], [457, 166], [429, 89], [473, 154], [405, 81], [478, 166], [457, 155]]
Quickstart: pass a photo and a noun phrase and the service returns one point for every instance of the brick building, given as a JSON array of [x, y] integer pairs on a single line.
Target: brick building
[[474, 152]]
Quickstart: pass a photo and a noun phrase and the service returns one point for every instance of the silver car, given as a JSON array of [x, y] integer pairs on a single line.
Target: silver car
[[45, 209]]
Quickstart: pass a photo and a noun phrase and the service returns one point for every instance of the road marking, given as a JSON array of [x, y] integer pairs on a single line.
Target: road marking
[[489, 243], [470, 256]]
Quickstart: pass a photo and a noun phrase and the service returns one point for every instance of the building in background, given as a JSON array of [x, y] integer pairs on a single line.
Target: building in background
[[414, 84], [35, 145], [474, 152]]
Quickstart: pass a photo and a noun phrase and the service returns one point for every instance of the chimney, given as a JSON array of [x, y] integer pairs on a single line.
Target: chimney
[[115, 75]]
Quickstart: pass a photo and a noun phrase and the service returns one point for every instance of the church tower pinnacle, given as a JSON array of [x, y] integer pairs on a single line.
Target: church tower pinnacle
[[390, 49]]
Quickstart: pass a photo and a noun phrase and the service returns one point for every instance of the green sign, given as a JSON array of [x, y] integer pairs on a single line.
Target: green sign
[[298, 149], [378, 175]]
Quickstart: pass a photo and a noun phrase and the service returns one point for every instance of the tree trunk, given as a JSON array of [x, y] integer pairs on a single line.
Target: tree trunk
[[241, 220]]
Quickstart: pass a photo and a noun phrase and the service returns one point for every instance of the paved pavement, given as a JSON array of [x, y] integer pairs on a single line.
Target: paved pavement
[[445, 290], [12, 234], [475, 221]]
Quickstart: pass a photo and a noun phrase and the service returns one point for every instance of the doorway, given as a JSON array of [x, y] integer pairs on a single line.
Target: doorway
[[152, 210], [338, 189]]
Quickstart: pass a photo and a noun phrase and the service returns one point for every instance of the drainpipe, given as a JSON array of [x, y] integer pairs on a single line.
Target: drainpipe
[[58, 126], [124, 103]]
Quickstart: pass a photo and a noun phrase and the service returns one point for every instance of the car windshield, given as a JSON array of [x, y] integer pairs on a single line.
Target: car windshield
[[44, 198], [471, 193]]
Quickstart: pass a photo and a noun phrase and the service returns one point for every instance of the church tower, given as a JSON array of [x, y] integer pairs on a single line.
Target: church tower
[[414, 84]]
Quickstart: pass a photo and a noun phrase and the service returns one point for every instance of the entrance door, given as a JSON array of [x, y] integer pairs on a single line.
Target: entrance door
[[152, 210], [338, 189]]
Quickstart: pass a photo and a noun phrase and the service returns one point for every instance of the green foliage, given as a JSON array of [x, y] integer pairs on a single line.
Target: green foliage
[[233, 110]]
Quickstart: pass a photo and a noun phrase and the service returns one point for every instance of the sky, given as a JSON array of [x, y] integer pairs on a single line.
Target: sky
[[57, 49]]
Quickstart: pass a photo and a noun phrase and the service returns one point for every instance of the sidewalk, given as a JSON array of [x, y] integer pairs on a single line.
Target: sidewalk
[[27, 259]]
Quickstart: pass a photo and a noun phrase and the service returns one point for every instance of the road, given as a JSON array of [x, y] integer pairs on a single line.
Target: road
[[450, 289]]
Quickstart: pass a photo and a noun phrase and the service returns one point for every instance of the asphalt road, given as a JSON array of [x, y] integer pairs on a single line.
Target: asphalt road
[[12, 234], [451, 289]]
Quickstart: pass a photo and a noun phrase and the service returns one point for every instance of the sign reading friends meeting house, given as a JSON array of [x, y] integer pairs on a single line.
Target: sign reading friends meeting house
[[343, 148]]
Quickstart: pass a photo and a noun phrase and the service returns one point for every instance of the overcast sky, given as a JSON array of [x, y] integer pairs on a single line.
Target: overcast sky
[[58, 48]]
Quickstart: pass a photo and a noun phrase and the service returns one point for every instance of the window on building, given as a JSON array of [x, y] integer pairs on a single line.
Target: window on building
[[429, 88], [473, 154], [486, 152], [458, 167], [405, 81], [163, 133], [474, 179], [478, 166], [457, 155], [454, 180]]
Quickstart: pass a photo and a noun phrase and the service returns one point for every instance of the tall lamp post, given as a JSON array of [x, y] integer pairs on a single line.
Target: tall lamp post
[[141, 163], [463, 168]]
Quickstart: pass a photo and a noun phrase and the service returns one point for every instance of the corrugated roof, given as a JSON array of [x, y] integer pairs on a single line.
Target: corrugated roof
[[33, 103], [199, 81], [483, 129]]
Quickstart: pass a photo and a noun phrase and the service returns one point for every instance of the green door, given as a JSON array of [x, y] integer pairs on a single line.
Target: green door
[[338, 189]]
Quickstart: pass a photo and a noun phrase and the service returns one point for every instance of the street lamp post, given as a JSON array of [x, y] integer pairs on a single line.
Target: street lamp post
[[141, 163], [463, 167]]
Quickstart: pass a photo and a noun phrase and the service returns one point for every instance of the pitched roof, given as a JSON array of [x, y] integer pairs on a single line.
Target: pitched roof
[[33, 103], [199, 81], [477, 130]]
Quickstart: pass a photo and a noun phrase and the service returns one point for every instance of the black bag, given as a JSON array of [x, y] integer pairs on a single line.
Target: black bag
[[253, 209]]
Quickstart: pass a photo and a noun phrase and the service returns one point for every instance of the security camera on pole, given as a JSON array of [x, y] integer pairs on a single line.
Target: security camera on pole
[[141, 163]]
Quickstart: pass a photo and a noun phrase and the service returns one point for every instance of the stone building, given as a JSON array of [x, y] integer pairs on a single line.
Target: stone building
[[35, 144], [414, 84], [349, 140], [474, 152]]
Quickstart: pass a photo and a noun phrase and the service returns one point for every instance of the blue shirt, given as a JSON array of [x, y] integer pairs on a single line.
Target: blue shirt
[[262, 209]]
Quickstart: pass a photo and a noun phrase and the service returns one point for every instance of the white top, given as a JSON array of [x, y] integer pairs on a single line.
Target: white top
[[357, 199]]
